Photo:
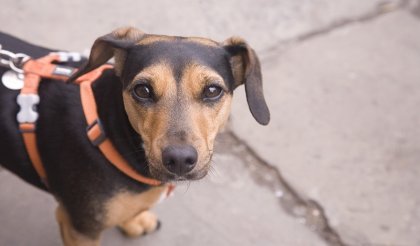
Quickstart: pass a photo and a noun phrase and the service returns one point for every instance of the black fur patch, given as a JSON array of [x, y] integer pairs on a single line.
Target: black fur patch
[[178, 54]]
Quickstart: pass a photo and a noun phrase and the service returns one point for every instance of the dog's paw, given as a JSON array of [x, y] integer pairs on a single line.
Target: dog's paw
[[143, 223]]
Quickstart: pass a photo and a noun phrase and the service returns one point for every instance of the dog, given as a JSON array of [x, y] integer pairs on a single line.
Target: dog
[[161, 106]]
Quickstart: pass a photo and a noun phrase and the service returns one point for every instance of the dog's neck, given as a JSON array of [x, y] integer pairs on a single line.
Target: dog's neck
[[108, 95]]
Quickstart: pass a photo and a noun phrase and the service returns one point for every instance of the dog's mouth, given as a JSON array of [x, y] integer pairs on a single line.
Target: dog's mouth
[[169, 177], [162, 174]]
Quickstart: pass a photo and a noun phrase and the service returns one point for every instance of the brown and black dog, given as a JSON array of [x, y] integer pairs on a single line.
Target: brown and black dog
[[162, 107]]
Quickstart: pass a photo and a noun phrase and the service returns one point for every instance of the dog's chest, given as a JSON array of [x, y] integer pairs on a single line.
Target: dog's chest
[[125, 205]]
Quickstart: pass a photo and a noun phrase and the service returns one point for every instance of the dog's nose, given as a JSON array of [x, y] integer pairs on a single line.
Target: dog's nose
[[179, 159]]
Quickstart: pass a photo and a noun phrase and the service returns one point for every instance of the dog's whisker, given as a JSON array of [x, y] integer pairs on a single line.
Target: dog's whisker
[[213, 170], [188, 186]]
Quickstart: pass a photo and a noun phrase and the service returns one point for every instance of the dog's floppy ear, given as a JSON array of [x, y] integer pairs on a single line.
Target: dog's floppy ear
[[105, 47], [247, 70]]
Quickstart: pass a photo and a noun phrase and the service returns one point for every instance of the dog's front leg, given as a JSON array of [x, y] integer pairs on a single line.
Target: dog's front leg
[[143, 223], [69, 235]]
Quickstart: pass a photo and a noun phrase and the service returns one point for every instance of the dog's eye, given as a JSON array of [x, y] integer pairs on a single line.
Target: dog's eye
[[143, 92], [212, 93]]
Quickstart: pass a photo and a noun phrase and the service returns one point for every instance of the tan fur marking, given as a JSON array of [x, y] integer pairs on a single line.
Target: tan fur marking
[[152, 122], [203, 41], [195, 77], [69, 235], [238, 69], [205, 121], [125, 206], [142, 223], [128, 33], [149, 39], [237, 62], [124, 33], [161, 78]]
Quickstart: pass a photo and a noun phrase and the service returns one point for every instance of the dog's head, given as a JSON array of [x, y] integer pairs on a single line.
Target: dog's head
[[177, 93]]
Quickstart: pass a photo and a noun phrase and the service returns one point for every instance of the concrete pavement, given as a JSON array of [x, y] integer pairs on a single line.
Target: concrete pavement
[[345, 126], [339, 163]]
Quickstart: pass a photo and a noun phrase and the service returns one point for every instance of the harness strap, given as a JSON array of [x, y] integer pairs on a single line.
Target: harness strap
[[28, 99], [29, 138], [95, 131]]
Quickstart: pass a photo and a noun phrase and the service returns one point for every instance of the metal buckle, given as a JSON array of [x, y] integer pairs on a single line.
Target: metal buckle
[[27, 112], [68, 56], [63, 71], [102, 137], [12, 60]]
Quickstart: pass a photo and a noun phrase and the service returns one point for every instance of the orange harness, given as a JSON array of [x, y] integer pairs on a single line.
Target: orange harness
[[28, 98]]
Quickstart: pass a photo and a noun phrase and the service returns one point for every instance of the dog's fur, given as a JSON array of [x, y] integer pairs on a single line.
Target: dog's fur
[[92, 194]]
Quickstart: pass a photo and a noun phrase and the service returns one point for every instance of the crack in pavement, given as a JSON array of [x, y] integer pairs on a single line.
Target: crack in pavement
[[382, 8], [307, 211]]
